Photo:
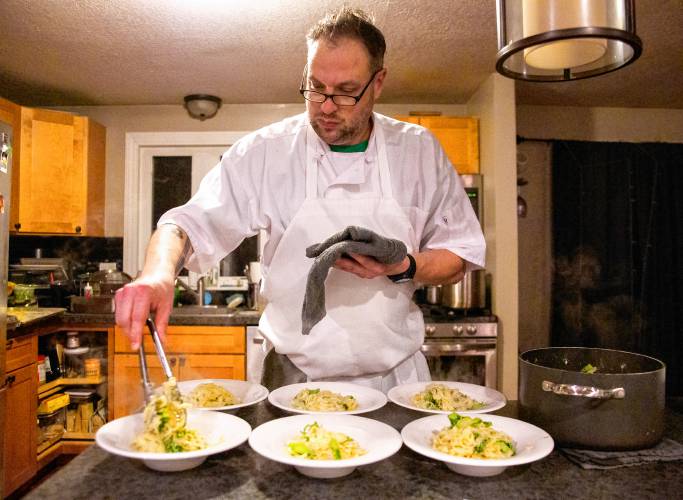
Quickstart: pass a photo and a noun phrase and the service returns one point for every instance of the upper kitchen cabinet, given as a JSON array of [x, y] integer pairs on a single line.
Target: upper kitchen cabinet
[[60, 174], [459, 137]]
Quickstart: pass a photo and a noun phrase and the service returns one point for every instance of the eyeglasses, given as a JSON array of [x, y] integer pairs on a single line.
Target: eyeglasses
[[338, 99]]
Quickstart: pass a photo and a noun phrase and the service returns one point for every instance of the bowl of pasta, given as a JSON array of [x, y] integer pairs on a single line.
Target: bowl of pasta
[[169, 437], [327, 397], [325, 446], [475, 444], [221, 394], [446, 397]]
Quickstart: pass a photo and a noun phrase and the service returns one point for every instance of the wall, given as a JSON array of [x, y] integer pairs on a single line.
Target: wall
[[535, 245], [231, 117], [494, 104], [600, 124]]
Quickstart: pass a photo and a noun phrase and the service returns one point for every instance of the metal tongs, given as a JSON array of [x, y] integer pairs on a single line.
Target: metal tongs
[[147, 386]]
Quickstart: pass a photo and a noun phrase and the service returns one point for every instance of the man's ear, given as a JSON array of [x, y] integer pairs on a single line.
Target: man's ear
[[378, 84]]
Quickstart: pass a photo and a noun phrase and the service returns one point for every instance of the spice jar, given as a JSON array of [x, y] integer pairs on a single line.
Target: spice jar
[[92, 367]]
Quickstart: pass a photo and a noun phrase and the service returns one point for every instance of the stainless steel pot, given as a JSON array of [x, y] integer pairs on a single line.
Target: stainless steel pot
[[619, 407], [469, 293]]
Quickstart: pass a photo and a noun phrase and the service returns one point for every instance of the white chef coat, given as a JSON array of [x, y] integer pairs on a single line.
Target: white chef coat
[[260, 184]]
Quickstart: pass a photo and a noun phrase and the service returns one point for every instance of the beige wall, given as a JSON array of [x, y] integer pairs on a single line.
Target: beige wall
[[122, 119], [535, 245], [600, 124], [494, 104]]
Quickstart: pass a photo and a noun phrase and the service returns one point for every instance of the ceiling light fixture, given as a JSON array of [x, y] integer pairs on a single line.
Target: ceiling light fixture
[[202, 106], [563, 40]]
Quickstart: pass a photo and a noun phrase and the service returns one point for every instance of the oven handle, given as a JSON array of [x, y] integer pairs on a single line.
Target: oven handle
[[458, 348]]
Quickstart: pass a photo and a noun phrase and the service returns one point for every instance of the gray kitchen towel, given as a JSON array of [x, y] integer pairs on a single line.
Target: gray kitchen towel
[[666, 450], [353, 239]]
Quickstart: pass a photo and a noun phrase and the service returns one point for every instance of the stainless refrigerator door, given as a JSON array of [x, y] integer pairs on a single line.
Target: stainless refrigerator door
[[5, 190]]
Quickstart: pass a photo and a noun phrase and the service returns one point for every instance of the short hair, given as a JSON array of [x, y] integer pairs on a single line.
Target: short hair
[[352, 23]]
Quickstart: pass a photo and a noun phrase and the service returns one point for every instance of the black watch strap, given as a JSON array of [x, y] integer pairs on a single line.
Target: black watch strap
[[406, 275]]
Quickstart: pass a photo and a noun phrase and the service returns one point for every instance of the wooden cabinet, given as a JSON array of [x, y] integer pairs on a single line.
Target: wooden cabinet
[[20, 416], [459, 137], [194, 352], [59, 174]]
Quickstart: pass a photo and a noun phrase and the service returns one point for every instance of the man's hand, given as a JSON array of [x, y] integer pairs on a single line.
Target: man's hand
[[167, 253], [136, 300], [367, 267], [433, 267]]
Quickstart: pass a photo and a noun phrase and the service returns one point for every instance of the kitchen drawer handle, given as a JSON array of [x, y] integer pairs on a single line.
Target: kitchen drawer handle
[[9, 344], [583, 391], [8, 381]]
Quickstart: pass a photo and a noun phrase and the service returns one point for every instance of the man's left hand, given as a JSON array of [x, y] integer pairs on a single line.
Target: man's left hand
[[368, 267]]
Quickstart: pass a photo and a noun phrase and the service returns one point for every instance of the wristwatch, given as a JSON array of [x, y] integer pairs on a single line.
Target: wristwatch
[[406, 275]]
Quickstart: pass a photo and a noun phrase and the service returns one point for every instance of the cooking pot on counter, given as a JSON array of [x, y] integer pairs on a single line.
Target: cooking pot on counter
[[618, 407], [469, 293]]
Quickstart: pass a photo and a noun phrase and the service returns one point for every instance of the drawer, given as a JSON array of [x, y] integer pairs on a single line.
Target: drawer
[[192, 340], [21, 352]]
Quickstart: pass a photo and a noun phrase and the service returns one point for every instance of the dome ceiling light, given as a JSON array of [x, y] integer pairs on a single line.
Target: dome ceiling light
[[202, 106], [563, 40]]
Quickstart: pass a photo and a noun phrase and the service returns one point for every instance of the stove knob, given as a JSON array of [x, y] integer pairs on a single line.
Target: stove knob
[[430, 329], [457, 329], [471, 330]]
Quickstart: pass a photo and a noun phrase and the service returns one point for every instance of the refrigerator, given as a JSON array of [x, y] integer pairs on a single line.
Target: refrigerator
[[5, 189]]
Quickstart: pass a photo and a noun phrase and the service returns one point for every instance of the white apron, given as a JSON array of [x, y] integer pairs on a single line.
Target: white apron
[[372, 331]]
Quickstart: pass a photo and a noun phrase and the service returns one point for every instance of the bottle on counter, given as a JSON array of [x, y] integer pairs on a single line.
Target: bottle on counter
[[87, 291]]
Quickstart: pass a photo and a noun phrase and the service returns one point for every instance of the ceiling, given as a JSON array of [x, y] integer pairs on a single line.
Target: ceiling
[[124, 52]]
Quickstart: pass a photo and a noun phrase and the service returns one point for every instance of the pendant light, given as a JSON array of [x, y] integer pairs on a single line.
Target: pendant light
[[563, 40], [202, 106]]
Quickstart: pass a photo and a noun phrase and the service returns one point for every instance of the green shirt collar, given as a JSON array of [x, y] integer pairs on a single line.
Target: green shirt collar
[[353, 148]]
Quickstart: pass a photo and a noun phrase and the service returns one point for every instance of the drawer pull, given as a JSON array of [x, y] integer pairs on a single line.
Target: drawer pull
[[8, 381]]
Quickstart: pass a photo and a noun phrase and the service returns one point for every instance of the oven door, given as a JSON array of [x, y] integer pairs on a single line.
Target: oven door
[[467, 361]]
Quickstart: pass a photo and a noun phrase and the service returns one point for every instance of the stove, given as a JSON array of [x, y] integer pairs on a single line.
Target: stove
[[460, 345]]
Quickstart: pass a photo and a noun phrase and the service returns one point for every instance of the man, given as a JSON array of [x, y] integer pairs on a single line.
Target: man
[[306, 178]]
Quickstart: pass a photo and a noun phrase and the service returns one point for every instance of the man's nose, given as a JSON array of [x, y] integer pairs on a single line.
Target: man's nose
[[328, 106]]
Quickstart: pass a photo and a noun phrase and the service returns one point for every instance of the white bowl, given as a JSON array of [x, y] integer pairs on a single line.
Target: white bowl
[[248, 393], [378, 439], [531, 443], [221, 431], [368, 399], [492, 399]]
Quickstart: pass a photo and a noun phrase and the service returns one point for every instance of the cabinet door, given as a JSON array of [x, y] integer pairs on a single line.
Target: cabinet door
[[20, 428], [128, 395], [61, 168], [48, 173], [196, 366], [192, 339], [459, 138]]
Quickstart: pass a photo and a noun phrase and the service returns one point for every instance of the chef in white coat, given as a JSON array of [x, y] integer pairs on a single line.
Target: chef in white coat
[[304, 179]]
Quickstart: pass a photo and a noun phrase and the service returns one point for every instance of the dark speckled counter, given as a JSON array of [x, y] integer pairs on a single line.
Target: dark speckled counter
[[241, 473]]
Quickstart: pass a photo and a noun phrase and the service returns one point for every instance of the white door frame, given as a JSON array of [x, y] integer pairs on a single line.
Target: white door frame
[[135, 142]]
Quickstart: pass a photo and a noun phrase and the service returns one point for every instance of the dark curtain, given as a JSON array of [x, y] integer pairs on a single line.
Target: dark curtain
[[618, 249]]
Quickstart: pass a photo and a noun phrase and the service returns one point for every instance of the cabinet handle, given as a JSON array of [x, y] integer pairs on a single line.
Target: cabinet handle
[[173, 361], [182, 360], [78, 229], [9, 344], [17, 226], [8, 381]]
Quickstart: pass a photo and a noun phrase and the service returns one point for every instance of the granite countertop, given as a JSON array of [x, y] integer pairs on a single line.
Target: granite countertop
[[241, 473], [20, 320]]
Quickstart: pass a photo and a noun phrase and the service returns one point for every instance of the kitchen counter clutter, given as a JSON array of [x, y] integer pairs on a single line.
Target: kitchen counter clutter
[[241, 473]]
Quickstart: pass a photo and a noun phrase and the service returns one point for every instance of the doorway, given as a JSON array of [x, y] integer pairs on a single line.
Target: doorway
[[194, 153]]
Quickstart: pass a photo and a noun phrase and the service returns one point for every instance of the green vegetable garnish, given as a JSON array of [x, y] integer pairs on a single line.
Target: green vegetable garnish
[[589, 368]]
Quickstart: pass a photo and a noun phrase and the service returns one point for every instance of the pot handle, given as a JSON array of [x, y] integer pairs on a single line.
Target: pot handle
[[583, 391]]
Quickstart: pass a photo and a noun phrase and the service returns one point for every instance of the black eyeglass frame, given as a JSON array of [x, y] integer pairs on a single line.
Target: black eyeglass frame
[[357, 98]]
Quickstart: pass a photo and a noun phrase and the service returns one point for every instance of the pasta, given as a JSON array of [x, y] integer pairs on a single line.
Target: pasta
[[210, 395], [317, 443], [472, 438], [323, 400], [165, 417], [440, 397]]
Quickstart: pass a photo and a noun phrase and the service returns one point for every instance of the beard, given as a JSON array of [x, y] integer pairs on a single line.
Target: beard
[[347, 132]]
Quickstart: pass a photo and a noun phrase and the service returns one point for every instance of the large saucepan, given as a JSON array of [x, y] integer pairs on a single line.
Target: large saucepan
[[618, 407]]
